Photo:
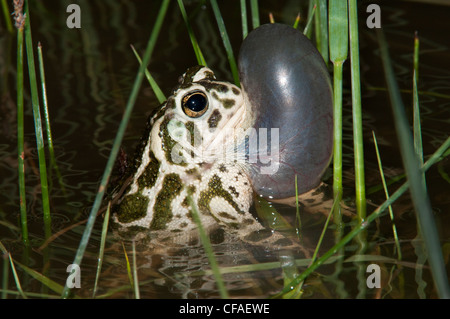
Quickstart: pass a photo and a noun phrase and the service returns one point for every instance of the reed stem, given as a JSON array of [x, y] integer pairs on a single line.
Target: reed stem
[[53, 163], [244, 19], [20, 133], [338, 37], [321, 24], [7, 17], [416, 108], [358, 143], [37, 124], [307, 30], [386, 192], [255, 13]]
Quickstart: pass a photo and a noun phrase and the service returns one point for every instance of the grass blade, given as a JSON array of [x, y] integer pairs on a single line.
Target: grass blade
[[37, 124], [391, 213], [43, 279], [7, 17], [102, 248], [311, 12], [155, 87], [321, 22], [244, 19], [118, 140], [255, 13], [416, 109], [415, 177], [297, 212], [20, 124], [417, 242], [198, 53], [297, 21], [338, 37], [208, 250], [53, 163], [130, 275], [16, 277], [135, 274], [226, 42], [356, 112]]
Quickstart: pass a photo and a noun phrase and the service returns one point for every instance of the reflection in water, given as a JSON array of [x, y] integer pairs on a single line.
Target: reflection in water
[[89, 76]]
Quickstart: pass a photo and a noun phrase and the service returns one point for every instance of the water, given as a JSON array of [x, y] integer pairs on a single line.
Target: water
[[89, 75]]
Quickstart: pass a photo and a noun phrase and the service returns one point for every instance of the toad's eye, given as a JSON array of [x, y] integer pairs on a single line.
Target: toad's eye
[[194, 104]]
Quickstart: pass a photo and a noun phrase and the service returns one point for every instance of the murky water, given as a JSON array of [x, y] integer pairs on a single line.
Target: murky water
[[90, 72]]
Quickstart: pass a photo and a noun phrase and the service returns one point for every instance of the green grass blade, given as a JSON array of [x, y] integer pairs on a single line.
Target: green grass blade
[[297, 211], [338, 31], [338, 37], [322, 234], [155, 87], [118, 140], [130, 275], [255, 13], [391, 213], [51, 151], [7, 17], [416, 108], [102, 248], [321, 22], [5, 275], [135, 274], [198, 52], [415, 177], [311, 13], [16, 277], [5, 279], [37, 124], [244, 19], [416, 54], [337, 138], [226, 41], [297, 21], [20, 128], [356, 112], [417, 242], [416, 122], [51, 284], [208, 250]]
